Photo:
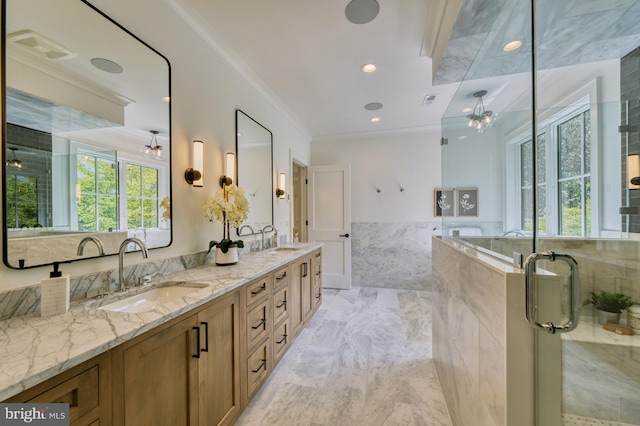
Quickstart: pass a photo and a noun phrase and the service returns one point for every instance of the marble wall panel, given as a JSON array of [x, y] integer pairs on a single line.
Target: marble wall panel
[[392, 255]]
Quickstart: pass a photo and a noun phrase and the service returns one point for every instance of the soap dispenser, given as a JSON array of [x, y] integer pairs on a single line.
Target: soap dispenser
[[54, 293]]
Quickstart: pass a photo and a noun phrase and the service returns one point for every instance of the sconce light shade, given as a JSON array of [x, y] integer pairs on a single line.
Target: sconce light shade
[[230, 170], [194, 175], [280, 191], [633, 171]]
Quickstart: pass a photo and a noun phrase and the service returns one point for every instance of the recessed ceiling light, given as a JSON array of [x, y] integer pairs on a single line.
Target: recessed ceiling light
[[368, 68], [466, 110], [107, 66], [375, 119], [372, 106], [462, 137], [512, 45]]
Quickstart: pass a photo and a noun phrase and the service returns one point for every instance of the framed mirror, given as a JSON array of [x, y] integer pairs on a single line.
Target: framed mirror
[[254, 148], [86, 134]]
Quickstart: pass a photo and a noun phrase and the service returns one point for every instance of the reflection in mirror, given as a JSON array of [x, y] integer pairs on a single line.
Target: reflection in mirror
[[255, 176], [86, 136]]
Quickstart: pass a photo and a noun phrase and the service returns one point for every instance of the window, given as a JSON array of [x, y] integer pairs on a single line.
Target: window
[[97, 191], [574, 178], [22, 201], [142, 196], [563, 175]]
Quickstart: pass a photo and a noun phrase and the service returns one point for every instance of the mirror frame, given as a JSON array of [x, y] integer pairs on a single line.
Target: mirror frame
[[3, 94], [238, 112]]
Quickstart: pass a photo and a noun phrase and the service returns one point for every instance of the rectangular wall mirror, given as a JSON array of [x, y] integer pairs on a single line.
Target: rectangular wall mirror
[[86, 134], [255, 171]]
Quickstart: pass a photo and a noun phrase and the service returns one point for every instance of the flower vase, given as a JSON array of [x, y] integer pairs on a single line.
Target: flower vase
[[228, 258]]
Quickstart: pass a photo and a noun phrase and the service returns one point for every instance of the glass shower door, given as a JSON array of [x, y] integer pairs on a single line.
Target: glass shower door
[[587, 233]]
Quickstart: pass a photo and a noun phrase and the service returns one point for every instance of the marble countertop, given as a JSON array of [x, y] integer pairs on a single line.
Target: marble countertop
[[33, 349]]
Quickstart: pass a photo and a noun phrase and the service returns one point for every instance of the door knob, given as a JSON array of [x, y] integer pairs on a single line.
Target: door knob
[[345, 235]]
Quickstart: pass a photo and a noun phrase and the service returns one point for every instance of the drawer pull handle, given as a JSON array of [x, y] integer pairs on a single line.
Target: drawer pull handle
[[260, 290], [206, 336], [197, 354], [262, 364], [284, 303], [284, 339], [304, 270], [320, 254], [318, 273], [282, 277], [319, 295], [260, 324]]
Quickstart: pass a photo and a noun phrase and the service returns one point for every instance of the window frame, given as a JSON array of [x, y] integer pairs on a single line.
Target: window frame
[[555, 116]]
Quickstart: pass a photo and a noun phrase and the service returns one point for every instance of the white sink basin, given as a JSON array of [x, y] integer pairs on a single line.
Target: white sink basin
[[151, 299]]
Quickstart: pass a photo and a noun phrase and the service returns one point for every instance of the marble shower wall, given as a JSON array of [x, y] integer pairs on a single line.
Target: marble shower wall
[[392, 255], [482, 347]]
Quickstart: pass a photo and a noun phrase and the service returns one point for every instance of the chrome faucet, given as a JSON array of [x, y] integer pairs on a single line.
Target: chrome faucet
[[266, 229], [95, 240], [123, 249], [245, 226]]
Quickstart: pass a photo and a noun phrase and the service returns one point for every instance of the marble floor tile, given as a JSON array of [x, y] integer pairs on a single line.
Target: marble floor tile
[[364, 359]]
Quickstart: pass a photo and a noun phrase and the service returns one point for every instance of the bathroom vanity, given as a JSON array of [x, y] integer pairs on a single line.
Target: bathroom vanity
[[198, 359]]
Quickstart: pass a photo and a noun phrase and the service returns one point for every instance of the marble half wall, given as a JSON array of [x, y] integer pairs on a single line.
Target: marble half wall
[[392, 255], [483, 349]]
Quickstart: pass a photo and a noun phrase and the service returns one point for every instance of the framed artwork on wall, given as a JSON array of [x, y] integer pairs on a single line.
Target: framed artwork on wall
[[467, 202], [443, 202]]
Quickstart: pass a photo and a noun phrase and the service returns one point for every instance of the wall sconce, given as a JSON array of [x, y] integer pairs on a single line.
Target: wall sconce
[[230, 170], [633, 171], [194, 175], [281, 186]]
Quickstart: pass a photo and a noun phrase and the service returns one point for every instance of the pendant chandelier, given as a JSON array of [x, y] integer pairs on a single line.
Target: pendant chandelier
[[153, 149], [13, 159], [481, 118]]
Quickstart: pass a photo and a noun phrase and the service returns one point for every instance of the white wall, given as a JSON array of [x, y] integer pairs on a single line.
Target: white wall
[[386, 162], [206, 91]]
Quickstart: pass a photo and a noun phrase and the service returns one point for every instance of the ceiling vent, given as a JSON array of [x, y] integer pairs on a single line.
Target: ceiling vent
[[428, 99], [40, 45]]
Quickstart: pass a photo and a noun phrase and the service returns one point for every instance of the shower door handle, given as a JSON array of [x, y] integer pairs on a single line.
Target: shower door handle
[[530, 292]]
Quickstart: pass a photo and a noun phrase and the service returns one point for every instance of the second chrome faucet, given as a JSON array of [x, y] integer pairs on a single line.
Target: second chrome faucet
[[121, 252]]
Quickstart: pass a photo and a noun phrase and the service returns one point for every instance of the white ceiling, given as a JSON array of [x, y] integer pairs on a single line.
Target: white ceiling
[[309, 56]]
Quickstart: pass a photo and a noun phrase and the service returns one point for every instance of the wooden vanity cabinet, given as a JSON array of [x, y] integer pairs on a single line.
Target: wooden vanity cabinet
[[86, 388], [185, 372], [257, 330], [316, 262], [201, 368], [219, 375], [301, 294], [155, 378]]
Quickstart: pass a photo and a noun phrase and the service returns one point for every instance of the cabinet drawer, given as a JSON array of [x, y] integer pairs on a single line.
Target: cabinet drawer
[[258, 324], [258, 368], [280, 340], [281, 278], [280, 302], [317, 295], [85, 388], [258, 290]]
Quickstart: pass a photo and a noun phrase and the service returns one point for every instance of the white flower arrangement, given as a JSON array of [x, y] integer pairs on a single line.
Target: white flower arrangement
[[229, 206]]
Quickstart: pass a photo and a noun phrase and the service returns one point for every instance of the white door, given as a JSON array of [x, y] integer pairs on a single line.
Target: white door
[[330, 221]]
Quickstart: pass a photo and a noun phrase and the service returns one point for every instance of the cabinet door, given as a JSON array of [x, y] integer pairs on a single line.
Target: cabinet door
[[307, 293], [156, 377], [301, 306], [220, 362]]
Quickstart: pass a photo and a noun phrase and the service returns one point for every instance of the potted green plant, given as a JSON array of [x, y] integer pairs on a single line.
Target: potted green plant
[[609, 306], [229, 206]]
